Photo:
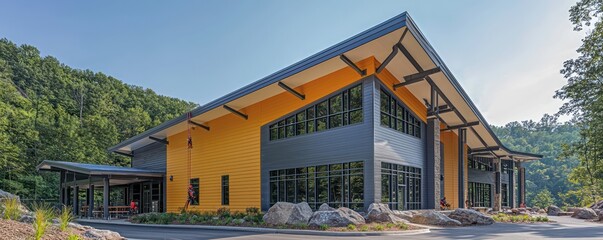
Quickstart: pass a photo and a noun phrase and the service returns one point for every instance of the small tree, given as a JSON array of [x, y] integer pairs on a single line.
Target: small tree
[[543, 199]]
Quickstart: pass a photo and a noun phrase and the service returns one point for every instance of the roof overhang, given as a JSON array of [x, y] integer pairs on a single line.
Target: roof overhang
[[97, 170], [378, 42]]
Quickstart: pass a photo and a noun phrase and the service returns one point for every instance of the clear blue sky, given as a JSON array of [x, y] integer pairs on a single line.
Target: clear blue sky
[[506, 54]]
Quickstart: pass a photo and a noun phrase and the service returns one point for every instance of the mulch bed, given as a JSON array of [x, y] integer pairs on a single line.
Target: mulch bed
[[10, 230]]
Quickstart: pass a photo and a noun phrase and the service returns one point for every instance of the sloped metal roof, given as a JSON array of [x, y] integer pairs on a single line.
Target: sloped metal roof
[[96, 169]]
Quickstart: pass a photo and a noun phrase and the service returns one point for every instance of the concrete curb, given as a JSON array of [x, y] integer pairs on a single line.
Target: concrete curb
[[259, 230]]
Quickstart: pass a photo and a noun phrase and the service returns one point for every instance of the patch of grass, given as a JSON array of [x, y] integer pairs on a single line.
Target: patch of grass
[[324, 227], [73, 237], [502, 217], [43, 213], [65, 217], [379, 227], [11, 208], [364, 228], [403, 226], [390, 225], [351, 227]]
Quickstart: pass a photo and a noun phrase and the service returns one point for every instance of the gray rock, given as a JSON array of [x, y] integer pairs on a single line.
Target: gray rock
[[541, 211], [288, 213], [535, 209], [26, 218], [78, 226], [325, 207], [406, 215], [597, 205], [600, 215], [97, 234], [572, 209], [584, 213], [431, 217], [4, 195], [238, 221], [379, 212], [553, 210], [336, 218], [470, 217]]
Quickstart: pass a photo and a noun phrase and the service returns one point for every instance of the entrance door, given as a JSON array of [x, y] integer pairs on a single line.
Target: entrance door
[[146, 197], [401, 197]]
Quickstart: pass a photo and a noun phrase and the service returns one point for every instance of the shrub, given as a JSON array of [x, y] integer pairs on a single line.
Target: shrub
[[379, 227], [11, 208], [324, 227], [65, 217], [301, 226], [252, 211], [403, 226], [73, 237], [351, 227], [390, 225], [223, 212], [43, 214], [364, 228]]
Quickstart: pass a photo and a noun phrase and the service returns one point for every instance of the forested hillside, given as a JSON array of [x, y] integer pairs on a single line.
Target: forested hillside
[[51, 111], [549, 138]]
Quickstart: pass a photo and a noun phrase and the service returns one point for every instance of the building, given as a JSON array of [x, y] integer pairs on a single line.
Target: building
[[376, 118]]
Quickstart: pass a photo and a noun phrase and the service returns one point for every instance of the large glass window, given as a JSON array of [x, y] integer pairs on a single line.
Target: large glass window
[[339, 185], [480, 163], [394, 115], [480, 194], [225, 190], [400, 186], [194, 182], [344, 108], [505, 195]]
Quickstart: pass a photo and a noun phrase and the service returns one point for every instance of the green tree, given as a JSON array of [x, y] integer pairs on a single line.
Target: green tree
[[543, 199], [583, 95]]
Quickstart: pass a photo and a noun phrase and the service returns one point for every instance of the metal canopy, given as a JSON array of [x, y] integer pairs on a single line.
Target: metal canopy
[[97, 170]]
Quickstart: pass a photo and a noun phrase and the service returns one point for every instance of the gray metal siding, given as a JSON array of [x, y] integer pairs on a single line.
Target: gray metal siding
[[152, 156], [480, 176], [396, 147], [338, 145]]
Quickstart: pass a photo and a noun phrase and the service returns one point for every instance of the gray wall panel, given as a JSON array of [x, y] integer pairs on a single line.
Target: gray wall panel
[[396, 147], [152, 156], [344, 144]]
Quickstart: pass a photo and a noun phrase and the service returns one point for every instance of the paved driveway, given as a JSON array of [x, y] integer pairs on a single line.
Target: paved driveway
[[564, 228]]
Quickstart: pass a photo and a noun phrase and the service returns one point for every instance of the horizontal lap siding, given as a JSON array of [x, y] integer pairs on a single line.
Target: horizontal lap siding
[[232, 147], [451, 167], [393, 146], [152, 156]]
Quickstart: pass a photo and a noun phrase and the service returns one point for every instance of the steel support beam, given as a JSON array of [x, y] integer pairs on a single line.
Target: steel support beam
[[124, 154], [349, 62], [232, 110], [422, 75], [396, 86], [90, 198], [199, 125], [388, 59], [462, 139], [453, 127], [164, 141], [106, 198], [292, 91]]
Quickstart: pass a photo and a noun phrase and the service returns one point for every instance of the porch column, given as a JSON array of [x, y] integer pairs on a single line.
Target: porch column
[[61, 192], [511, 185], [521, 171], [432, 172], [65, 189], [461, 167], [90, 200], [497, 185], [106, 198], [76, 194]]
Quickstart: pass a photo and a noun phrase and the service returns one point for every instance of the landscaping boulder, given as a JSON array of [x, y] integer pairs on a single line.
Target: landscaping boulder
[[406, 215], [541, 211], [553, 210], [584, 213], [325, 207], [98, 234], [288, 213], [431, 217], [379, 212], [78, 226], [4, 195], [572, 209], [600, 215], [535, 209], [26, 218], [336, 218], [598, 205], [470, 217]]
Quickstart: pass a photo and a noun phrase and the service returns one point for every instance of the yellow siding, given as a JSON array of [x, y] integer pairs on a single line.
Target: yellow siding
[[232, 147], [451, 173]]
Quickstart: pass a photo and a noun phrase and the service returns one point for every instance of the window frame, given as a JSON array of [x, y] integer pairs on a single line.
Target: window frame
[[225, 189], [197, 194], [393, 113]]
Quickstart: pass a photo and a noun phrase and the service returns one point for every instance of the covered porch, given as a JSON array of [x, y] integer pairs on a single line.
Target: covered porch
[[104, 191]]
